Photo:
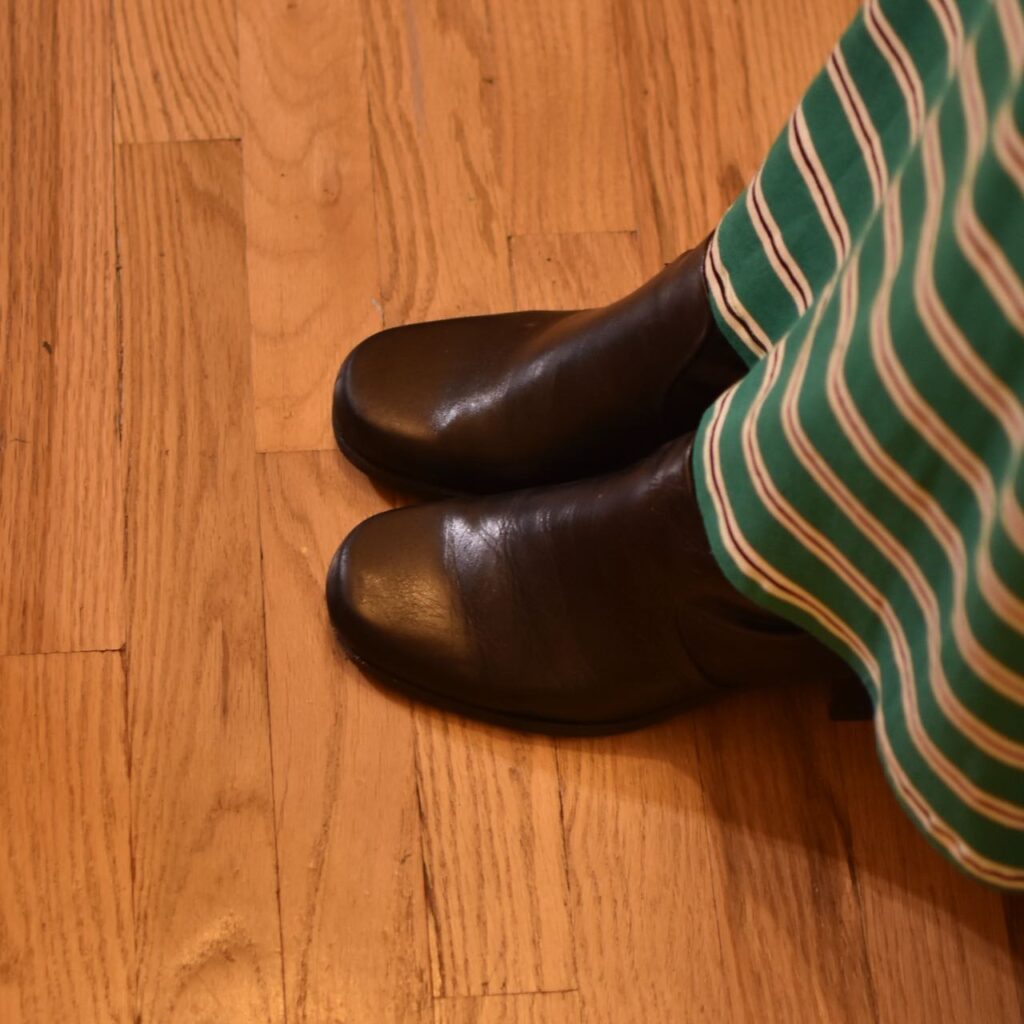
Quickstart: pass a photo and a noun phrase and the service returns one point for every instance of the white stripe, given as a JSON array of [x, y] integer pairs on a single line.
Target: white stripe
[[816, 543], [773, 581], [952, 27], [1011, 21], [787, 270], [981, 249], [975, 374], [986, 386], [1009, 145], [964, 361], [808, 163], [987, 259], [879, 331], [977, 864], [931, 426], [993, 742], [943, 833], [760, 571], [895, 54], [860, 123], [728, 302]]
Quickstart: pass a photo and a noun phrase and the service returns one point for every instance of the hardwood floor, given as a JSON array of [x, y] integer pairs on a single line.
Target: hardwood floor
[[206, 813], [61, 500]]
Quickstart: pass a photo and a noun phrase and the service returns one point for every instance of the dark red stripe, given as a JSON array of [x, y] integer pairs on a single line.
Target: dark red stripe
[[880, 177], [817, 182], [728, 305], [891, 47], [778, 255]]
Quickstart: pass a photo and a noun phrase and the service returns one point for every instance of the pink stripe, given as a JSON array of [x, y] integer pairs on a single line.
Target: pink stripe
[[952, 28], [1009, 146], [986, 738], [782, 512], [773, 581], [737, 319], [860, 122], [984, 253], [899, 61], [779, 256], [817, 184]]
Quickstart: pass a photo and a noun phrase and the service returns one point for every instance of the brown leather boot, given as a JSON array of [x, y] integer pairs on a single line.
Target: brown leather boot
[[493, 403], [588, 607]]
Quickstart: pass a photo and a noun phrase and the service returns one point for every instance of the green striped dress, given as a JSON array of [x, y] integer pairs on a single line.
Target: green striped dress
[[865, 478]]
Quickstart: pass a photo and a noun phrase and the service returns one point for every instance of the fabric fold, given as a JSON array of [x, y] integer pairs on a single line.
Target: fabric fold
[[865, 478]]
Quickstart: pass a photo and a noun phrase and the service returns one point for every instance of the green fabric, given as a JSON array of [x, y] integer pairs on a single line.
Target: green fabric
[[865, 479]]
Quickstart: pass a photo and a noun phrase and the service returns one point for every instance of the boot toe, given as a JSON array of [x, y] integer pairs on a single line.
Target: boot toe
[[378, 415], [432, 406], [477, 605], [391, 604]]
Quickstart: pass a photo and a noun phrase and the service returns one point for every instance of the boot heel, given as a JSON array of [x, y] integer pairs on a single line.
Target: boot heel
[[849, 701]]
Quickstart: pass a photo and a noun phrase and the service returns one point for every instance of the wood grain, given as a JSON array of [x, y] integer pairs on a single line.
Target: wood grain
[[61, 512], [640, 868], [570, 271], [492, 841], [545, 1008], [564, 155], [202, 803], [1013, 904], [785, 43], [688, 118], [353, 909], [175, 70], [644, 916], [225, 822], [708, 86], [788, 910], [66, 943], [936, 940], [433, 117], [494, 859], [493, 847], [312, 247]]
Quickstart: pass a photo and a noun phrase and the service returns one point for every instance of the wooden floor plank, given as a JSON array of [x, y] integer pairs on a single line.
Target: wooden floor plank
[[494, 858], [308, 848], [708, 86], [440, 233], [574, 271], [61, 512], [202, 802], [66, 943], [644, 916], [785, 44], [563, 155], [663, 920], [1013, 904], [789, 914], [684, 75], [494, 851], [175, 70], [312, 250], [492, 841], [937, 940], [644, 913], [532, 1008], [352, 899]]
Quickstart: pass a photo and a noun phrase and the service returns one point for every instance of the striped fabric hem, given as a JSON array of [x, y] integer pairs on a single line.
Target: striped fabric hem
[[865, 479]]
